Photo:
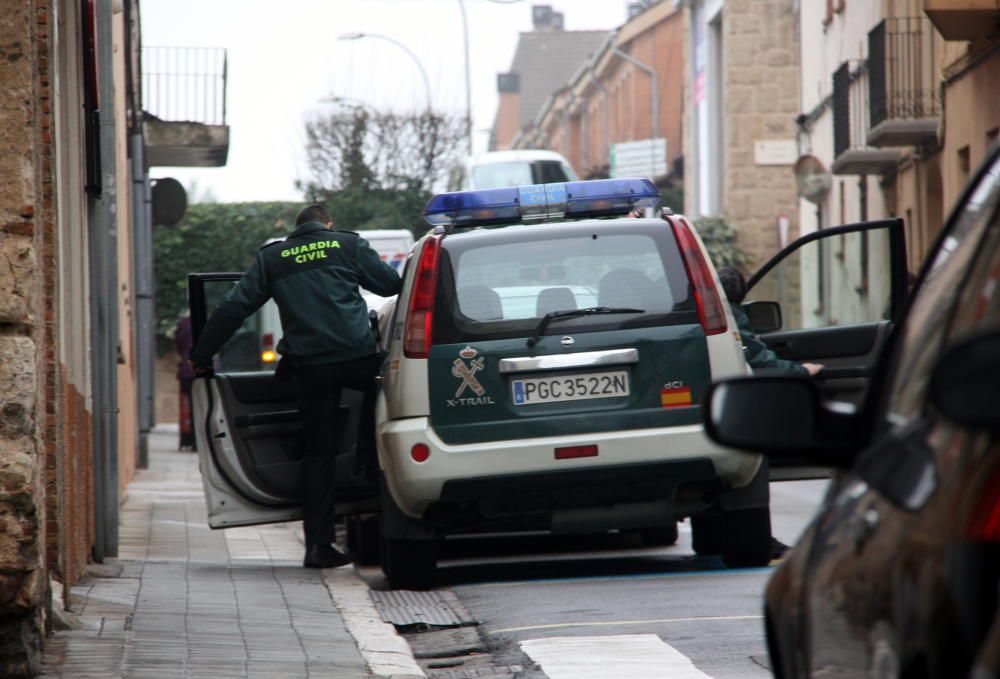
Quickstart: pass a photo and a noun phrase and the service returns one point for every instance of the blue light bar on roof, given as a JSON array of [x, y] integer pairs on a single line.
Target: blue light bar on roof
[[539, 202]]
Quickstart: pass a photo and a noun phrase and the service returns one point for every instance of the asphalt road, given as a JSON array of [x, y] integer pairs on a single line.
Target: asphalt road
[[640, 610]]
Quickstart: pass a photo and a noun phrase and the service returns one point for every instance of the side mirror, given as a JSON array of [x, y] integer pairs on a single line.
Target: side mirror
[[765, 414], [764, 316], [965, 382]]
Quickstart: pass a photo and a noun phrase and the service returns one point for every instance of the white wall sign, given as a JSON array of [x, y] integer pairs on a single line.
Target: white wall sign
[[643, 158], [775, 152]]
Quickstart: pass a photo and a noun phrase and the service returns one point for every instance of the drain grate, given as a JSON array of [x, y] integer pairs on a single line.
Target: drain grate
[[404, 608]]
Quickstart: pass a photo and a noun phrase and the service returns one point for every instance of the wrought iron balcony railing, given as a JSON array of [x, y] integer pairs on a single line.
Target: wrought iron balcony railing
[[852, 154], [902, 83], [185, 84]]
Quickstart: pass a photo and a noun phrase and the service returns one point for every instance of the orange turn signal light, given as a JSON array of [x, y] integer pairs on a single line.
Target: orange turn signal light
[[268, 356]]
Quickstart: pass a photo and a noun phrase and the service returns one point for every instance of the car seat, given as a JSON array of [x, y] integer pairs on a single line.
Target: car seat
[[555, 299], [625, 288], [480, 303]]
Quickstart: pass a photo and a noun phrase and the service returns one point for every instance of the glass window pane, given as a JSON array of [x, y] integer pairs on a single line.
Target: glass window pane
[[251, 348], [839, 280], [499, 175]]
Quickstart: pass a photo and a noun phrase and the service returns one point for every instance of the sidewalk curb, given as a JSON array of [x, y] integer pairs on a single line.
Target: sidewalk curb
[[387, 654]]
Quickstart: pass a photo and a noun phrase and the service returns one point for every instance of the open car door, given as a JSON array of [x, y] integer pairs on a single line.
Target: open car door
[[831, 297], [247, 425]]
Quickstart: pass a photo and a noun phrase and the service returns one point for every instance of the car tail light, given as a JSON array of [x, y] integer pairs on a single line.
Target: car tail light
[[711, 313], [984, 526], [420, 452], [420, 314], [571, 452]]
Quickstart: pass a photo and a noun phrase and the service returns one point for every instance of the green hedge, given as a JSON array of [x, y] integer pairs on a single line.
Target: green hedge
[[212, 237]]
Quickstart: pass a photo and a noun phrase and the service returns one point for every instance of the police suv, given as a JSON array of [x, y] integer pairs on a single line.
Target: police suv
[[545, 364]]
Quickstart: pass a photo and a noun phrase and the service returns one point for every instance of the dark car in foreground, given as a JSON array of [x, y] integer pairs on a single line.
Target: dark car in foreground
[[898, 574]]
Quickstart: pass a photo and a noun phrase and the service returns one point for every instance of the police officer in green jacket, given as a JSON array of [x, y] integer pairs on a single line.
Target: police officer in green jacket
[[757, 353], [314, 276]]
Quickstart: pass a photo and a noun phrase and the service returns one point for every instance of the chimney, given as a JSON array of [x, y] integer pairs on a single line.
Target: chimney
[[557, 21], [541, 17], [635, 9]]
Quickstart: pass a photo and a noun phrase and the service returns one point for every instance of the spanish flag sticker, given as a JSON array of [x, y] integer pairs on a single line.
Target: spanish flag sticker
[[675, 398]]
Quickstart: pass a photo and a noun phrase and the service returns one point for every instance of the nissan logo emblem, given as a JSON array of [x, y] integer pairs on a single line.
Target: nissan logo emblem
[[567, 341]]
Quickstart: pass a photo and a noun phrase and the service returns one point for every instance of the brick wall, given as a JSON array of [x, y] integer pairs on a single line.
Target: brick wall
[[627, 112]]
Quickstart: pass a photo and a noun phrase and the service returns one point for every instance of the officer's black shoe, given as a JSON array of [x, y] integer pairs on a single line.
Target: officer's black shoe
[[325, 556], [778, 548]]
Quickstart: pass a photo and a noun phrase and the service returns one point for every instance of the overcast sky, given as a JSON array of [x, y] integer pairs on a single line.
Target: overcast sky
[[284, 59]]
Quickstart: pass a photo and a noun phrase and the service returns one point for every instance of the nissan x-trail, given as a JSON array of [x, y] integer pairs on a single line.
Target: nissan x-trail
[[545, 365]]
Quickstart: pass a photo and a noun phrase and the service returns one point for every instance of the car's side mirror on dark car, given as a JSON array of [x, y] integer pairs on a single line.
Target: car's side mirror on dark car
[[965, 382], [782, 417], [764, 316]]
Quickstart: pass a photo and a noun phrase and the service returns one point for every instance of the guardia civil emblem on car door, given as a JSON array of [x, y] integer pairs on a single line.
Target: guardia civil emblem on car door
[[470, 392]]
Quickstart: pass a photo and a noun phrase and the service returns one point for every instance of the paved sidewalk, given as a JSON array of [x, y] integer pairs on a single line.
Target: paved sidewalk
[[185, 601]]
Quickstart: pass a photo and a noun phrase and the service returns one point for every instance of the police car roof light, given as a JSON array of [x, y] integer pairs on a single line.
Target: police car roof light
[[540, 202]]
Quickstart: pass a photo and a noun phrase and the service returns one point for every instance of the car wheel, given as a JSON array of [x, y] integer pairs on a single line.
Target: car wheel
[[363, 539], [659, 536], [409, 564], [706, 535], [746, 537]]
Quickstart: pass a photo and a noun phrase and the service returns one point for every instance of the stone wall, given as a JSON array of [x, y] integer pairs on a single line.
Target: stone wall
[[23, 336], [761, 101]]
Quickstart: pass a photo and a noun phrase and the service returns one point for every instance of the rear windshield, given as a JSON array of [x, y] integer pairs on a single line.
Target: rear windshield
[[499, 284]]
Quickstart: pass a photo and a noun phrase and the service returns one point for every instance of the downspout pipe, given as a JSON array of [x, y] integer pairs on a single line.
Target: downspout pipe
[[655, 87], [104, 300]]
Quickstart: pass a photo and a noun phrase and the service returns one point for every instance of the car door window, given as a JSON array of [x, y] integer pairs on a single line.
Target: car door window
[[252, 346], [933, 304], [841, 280]]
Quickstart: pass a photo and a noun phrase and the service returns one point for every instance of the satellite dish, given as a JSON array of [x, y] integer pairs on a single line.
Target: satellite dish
[[169, 201], [812, 179]]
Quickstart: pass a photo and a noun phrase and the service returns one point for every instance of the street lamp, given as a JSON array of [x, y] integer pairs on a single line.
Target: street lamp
[[468, 79], [378, 36]]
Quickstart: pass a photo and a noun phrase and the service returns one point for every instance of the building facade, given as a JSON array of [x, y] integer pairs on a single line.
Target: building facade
[[899, 104], [620, 113], [741, 99], [544, 60]]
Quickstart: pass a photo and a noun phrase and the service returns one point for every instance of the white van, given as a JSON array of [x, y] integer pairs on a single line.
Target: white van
[[499, 169]]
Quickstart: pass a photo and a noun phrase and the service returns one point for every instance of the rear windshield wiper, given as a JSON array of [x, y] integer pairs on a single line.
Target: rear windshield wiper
[[574, 313]]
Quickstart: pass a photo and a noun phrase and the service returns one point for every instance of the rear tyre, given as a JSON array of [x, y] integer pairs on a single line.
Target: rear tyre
[[410, 564], [706, 534], [747, 538], [363, 539], [659, 536]]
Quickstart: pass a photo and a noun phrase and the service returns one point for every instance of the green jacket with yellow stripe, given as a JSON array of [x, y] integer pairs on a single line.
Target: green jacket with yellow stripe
[[313, 276]]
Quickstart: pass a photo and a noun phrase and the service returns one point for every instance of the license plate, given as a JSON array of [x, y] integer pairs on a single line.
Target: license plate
[[531, 390]]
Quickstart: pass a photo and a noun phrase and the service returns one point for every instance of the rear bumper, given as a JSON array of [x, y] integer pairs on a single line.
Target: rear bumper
[[522, 475]]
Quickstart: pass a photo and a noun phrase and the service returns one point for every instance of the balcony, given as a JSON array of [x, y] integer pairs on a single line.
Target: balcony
[[963, 19], [902, 87], [184, 106], [852, 154]]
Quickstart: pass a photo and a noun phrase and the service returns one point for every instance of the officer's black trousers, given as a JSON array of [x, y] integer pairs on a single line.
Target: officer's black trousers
[[319, 388]]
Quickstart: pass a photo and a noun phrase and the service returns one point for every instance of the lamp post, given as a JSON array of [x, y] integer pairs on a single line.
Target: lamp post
[[378, 36], [468, 78]]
